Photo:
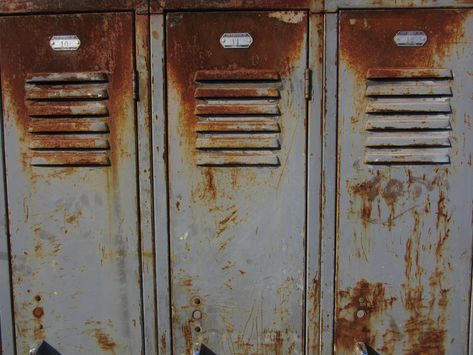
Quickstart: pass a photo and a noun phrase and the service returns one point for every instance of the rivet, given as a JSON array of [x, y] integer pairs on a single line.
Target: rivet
[[360, 313], [197, 314], [38, 312]]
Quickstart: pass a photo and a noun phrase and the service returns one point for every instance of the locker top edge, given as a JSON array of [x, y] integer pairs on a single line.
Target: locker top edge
[[13, 7]]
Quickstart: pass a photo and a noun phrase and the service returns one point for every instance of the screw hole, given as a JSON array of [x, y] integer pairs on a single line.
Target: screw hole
[[197, 329], [196, 300], [37, 298]]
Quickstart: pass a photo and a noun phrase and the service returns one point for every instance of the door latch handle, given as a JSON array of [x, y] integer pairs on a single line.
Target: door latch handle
[[361, 348]]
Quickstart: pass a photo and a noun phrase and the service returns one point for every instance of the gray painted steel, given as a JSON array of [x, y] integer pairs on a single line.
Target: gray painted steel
[[160, 179], [330, 247], [329, 173], [316, 53], [404, 232], [74, 230], [7, 340], [237, 233], [145, 150]]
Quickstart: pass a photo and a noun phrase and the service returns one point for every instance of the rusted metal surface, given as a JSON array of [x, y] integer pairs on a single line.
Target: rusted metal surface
[[315, 108], [56, 6], [237, 198], [72, 184], [334, 5], [404, 205], [157, 6]]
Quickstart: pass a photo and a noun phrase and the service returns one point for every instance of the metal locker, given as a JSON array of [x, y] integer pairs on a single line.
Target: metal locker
[[69, 126], [237, 166], [404, 225]]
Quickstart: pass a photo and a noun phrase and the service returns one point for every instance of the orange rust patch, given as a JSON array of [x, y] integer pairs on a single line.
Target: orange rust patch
[[104, 340], [354, 321], [367, 191], [38, 312], [366, 38]]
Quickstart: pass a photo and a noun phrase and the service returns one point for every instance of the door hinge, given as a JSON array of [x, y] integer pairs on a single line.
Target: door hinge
[[136, 86], [308, 84]]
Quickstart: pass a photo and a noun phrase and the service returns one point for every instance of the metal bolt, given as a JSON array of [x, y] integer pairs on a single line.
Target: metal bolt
[[197, 314], [360, 313]]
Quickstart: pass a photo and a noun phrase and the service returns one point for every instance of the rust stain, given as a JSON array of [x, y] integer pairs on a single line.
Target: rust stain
[[373, 32], [367, 191], [186, 330], [392, 191], [163, 343], [104, 340], [38, 312], [314, 300], [356, 320]]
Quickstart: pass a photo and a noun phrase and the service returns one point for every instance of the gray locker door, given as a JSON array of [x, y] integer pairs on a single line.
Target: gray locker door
[[404, 241], [69, 123], [237, 167]]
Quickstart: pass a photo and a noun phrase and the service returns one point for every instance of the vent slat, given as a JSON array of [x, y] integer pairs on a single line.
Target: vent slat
[[407, 73], [408, 156], [405, 105], [238, 141], [238, 158], [232, 92], [261, 125], [65, 158], [66, 77], [239, 109], [91, 91], [237, 75], [396, 89], [417, 122], [408, 117], [92, 108], [63, 125], [408, 139], [66, 142]]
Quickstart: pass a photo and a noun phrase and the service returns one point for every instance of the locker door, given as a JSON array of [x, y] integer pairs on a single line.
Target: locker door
[[405, 194], [237, 166], [71, 178]]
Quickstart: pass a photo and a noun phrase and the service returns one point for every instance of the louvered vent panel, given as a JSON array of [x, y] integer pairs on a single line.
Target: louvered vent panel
[[408, 116], [237, 116], [68, 119]]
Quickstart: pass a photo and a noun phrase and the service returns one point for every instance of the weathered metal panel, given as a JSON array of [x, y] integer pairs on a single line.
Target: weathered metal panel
[[237, 215], [328, 188], [74, 229], [160, 180], [334, 5], [162, 5], [148, 259], [316, 54], [405, 194], [58, 6], [7, 338]]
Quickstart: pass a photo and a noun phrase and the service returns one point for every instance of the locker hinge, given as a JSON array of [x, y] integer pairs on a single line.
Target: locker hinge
[[308, 83], [136, 86]]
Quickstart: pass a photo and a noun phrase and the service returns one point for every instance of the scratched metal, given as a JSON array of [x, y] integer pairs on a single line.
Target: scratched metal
[[237, 220], [404, 219], [73, 229]]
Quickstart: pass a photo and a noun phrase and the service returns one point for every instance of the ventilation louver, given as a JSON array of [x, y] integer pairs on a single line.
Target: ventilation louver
[[408, 116], [237, 118], [68, 119]]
